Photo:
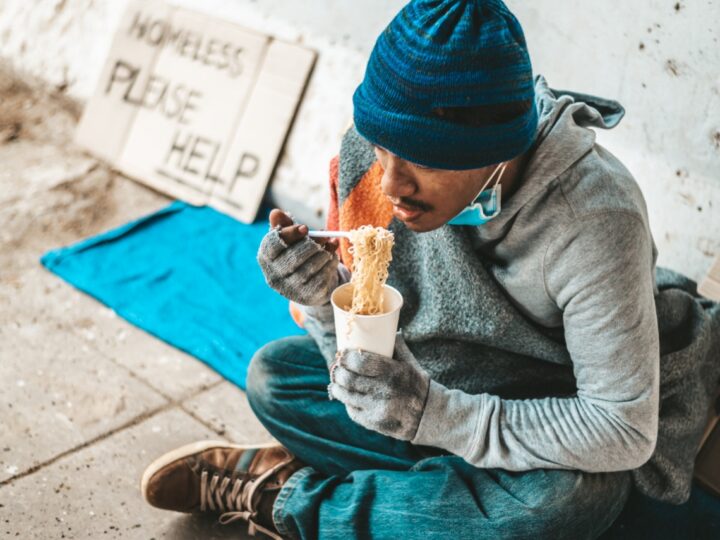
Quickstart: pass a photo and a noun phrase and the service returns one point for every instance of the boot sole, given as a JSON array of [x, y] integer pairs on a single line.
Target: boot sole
[[188, 450]]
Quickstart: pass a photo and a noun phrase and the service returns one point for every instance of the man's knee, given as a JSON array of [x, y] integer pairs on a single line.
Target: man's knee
[[265, 368], [273, 366]]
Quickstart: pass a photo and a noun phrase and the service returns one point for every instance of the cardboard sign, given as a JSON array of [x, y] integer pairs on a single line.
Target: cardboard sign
[[195, 106]]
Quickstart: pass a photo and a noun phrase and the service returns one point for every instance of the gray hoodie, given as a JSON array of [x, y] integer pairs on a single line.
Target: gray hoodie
[[539, 329]]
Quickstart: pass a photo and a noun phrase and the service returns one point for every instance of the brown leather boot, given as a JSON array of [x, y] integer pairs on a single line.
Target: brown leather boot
[[236, 481]]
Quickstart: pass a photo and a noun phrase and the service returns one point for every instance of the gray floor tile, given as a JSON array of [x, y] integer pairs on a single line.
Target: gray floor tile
[[38, 295], [59, 393]]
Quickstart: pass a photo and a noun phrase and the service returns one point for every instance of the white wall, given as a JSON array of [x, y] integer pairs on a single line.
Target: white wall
[[660, 58], [663, 64]]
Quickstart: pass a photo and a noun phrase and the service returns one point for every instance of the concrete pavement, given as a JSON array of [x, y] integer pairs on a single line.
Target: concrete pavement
[[87, 399]]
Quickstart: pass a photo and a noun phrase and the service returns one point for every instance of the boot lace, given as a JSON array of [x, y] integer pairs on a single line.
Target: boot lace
[[235, 497]]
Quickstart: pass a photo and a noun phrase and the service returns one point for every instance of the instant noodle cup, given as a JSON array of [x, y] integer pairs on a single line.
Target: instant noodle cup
[[374, 333]]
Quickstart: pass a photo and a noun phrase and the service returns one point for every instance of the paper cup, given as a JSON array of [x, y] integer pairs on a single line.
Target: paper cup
[[374, 333]]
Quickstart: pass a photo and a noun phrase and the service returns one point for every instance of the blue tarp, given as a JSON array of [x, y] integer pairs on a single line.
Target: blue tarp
[[187, 275]]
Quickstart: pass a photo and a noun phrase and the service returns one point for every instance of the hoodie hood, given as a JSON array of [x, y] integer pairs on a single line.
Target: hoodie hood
[[563, 138], [563, 134]]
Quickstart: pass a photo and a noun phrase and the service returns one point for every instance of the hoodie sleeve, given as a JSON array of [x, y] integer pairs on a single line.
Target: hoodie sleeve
[[600, 274], [320, 322]]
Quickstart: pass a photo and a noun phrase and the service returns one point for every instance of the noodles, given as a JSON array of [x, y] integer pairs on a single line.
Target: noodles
[[372, 252]]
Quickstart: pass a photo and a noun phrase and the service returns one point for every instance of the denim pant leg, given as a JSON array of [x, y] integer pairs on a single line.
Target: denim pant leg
[[287, 390], [360, 484], [446, 498]]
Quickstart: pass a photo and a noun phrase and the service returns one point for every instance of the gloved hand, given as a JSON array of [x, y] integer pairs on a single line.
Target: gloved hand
[[383, 394], [302, 270]]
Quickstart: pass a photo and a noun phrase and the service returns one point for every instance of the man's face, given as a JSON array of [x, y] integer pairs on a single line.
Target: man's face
[[425, 199]]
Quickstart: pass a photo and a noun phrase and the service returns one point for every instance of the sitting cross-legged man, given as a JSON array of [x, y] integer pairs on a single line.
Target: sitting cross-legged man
[[538, 338]]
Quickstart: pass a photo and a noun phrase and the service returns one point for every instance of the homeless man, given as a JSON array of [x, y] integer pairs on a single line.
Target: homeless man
[[523, 397]]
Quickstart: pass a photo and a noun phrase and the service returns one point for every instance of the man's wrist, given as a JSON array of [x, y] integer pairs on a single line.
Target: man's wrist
[[450, 420], [322, 313]]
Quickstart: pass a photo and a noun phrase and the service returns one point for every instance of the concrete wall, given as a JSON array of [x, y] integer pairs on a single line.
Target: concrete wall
[[660, 58]]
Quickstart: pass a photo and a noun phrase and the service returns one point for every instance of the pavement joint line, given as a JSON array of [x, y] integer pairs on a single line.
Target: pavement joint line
[[91, 344], [177, 401], [171, 403], [129, 424], [221, 433], [129, 371]]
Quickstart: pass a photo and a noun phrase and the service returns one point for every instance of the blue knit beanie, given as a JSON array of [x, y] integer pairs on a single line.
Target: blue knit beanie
[[447, 53]]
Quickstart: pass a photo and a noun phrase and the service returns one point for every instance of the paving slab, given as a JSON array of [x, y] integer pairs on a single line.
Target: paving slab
[[36, 294], [88, 400], [169, 370], [58, 394], [94, 493], [226, 408]]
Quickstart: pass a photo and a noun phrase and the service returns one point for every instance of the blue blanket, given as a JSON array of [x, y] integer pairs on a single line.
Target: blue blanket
[[187, 275]]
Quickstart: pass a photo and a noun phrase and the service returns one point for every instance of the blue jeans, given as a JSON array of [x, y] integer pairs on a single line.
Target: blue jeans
[[361, 484]]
